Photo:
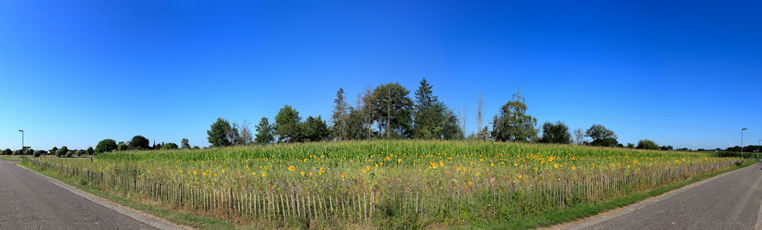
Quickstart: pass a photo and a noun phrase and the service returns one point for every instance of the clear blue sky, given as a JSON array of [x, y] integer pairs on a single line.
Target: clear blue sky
[[76, 72]]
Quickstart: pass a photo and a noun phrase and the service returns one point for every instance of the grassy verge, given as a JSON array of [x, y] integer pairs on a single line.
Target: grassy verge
[[174, 216], [11, 159], [586, 210]]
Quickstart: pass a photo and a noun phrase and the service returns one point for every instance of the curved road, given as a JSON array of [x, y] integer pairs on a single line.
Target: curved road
[[729, 201], [29, 201]]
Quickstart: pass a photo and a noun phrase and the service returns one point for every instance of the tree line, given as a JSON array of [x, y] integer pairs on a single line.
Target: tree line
[[388, 112]]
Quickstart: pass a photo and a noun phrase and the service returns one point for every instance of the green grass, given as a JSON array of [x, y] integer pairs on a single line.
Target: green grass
[[16, 159]]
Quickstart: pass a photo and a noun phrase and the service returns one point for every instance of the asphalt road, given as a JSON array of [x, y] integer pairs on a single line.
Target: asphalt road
[[29, 201], [731, 201]]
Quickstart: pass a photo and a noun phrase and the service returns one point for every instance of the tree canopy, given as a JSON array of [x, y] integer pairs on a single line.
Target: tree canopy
[[601, 136], [512, 123], [315, 129], [219, 133], [557, 133], [647, 144], [139, 142], [287, 125], [105, 145], [394, 109], [264, 131]]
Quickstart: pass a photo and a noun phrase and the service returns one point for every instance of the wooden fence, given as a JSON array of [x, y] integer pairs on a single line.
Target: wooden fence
[[501, 200]]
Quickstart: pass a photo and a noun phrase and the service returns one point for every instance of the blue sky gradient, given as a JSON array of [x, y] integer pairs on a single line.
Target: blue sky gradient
[[76, 72]]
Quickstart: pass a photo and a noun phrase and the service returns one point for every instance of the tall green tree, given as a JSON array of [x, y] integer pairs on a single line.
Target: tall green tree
[[427, 115], [287, 125], [219, 134], [394, 107], [601, 136], [513, 124], [355, 125], [264, 132], [339, 116], [315, 129], [557, 133], [184, 143], [105, 145], [139, 142], [90, 150]]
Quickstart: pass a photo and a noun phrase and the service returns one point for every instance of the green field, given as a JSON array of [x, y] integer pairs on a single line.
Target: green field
[[383, 183]]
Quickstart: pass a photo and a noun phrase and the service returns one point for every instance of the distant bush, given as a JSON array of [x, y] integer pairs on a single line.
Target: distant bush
[[70, 153], [53, 151], [105, 145], [62, 151], [647, 144], [121, 146], [17, 152], [196, 147], [7, 152], [38, 153], [90, 150], [169, 145]]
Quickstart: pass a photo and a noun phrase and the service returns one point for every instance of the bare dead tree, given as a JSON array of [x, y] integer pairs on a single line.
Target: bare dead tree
[[462, 119], [245, 136], [579, 135], [368, 110], [479, 103]]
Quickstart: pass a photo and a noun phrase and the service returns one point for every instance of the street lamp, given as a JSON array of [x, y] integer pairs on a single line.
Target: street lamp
[[22, 143], [742, 143]]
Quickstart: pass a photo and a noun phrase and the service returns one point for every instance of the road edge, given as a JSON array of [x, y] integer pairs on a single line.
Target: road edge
[[654, 200], [134, 214]]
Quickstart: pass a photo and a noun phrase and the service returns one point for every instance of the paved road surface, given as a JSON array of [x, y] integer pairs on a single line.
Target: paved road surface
[[28, 201], [731, 201]]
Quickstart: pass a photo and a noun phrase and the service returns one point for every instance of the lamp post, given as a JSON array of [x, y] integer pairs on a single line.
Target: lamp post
[[22, 143], [758, 148], [742, 143]]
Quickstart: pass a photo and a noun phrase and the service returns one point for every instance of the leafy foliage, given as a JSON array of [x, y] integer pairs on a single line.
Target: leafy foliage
[[601, 136], [169, 146], [315, 129], [184, 144], [53, 151], [90, 150], [121, 146], [62, 151], [394, 109], [287, 125], [38, 153], [556, 133], [264, 132], [105, 145], [7, 152], [219, 133], [512, 123], [139, 142]]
